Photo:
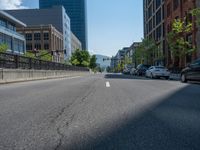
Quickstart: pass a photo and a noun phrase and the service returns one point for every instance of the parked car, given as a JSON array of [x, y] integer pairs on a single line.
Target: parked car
[[157, 72], [141, 69], [133, 71], [127, 69], [191, 72]]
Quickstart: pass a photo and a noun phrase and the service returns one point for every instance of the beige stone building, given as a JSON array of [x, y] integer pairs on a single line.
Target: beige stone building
[[75, 43], [44, 37]]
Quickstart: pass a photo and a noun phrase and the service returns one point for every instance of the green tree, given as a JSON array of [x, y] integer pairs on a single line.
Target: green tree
[[29, 54], [146, 52], [45, 55], [41, 54], [196, 13], [80, 58], [127, 60], [108, 69], [178, 45], [93, 62], [3, 47]]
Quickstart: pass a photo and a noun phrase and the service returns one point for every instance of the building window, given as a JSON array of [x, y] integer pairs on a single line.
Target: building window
[[46, 46], [2, 22], [158, 17], [28, 37], [168, 9], [29, 47], [150, 25], [8, 41], [1, 38], [37, 36], [46, 36], [175, 4], [11, 27], [188, 18], [158, 3], [150, 11], [38, 46], [18, 46], [158, 33]]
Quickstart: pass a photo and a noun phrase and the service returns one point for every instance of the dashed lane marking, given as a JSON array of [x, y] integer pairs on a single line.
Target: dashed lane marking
[[107, 84]]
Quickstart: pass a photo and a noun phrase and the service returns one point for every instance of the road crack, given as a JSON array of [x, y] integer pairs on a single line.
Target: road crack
[[58, 129]]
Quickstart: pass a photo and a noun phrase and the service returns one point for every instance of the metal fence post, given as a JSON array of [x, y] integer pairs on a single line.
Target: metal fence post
[[16, 61], [30, 63]]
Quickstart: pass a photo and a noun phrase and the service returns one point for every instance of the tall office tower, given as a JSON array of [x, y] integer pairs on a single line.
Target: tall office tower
[[154, 27], [76, 9]]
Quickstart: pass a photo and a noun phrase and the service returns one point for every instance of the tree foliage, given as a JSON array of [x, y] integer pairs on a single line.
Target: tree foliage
[[3, 47], [80, 58], [41, 54], [146, 51], [178, 45], [93, 64], [196, 13], [127, 60]]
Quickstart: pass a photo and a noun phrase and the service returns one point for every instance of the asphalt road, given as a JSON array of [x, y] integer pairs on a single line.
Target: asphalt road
[[103, 112]]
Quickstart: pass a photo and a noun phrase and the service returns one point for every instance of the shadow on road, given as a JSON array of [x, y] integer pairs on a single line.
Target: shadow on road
[[122, 76], [173, 124]]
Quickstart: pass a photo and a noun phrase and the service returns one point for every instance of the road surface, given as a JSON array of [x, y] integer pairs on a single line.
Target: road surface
[[100, 112]]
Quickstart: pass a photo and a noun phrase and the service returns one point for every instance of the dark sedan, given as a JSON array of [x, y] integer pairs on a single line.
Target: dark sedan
[[192, 72], [141, 69]]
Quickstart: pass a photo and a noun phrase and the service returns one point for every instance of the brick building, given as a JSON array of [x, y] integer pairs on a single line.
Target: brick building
[[43, 37], [180, 9]]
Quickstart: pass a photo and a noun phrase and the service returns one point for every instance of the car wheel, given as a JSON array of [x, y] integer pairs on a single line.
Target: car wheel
[[183, 78], [167, 78]]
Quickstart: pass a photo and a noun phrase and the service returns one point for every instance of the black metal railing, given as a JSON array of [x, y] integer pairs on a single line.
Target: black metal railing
[[13, 61]]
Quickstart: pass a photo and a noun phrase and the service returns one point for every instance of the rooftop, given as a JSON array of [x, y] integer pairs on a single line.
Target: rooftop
[[12, 19]]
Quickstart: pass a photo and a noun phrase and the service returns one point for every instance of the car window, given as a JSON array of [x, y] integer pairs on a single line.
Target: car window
[[160, 67], [196, 63]]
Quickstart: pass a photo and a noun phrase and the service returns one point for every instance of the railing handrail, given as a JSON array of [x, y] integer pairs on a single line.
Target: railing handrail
[[8, 60]]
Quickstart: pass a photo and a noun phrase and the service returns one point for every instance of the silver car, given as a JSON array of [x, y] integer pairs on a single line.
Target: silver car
[[157, 72]]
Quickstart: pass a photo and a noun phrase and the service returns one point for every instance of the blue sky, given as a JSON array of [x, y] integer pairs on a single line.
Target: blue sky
[[112, 24]]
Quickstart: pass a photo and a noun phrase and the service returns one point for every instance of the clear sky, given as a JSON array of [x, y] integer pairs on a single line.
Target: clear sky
[[112, 24]]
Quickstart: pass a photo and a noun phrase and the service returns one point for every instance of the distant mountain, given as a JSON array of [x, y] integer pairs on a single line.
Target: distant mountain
[[102, 63]]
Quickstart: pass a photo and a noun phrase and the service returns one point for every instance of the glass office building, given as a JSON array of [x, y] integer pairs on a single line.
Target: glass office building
[[55, 16], [76, 10], [8, 35]]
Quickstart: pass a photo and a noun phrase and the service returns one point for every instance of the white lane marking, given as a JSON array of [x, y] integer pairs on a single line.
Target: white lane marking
[[107, 84]]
